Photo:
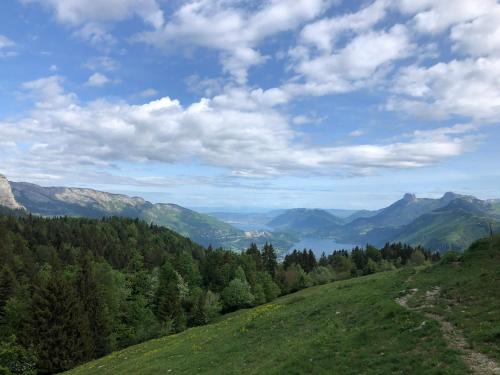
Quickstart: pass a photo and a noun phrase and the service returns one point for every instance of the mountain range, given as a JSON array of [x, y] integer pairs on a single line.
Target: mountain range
[[79, 202], [450, 222]]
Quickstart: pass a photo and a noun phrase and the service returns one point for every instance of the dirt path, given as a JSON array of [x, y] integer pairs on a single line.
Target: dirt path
[[477, 362]]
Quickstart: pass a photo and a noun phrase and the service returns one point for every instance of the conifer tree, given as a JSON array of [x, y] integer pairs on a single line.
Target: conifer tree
[[59, 331], [7, 286], [269, 259], [168, 297], [92, 300], [254, 252]]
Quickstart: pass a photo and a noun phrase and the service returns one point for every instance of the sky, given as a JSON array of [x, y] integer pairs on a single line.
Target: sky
[[253, 104]]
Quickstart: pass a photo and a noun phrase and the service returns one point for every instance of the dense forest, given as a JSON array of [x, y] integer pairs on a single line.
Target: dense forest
[[74, 289]]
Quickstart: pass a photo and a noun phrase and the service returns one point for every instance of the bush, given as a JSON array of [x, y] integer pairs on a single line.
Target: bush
[[417, 258], [15, 359], [321, 275], [237, 295], [451, 257]]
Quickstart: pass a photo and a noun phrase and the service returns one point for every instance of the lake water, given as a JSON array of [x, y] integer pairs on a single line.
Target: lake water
[[318, 245]]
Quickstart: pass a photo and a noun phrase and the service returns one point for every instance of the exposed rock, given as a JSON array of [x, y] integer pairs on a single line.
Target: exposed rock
[[6, 196]]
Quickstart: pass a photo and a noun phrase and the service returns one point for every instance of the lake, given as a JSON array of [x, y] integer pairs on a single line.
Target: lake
[[318, 245]]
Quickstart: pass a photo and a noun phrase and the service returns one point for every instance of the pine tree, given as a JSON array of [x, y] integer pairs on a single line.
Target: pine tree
[[7, 286], [168, 299], [59, 330], [254, 252], [269, 259], [93, 301]]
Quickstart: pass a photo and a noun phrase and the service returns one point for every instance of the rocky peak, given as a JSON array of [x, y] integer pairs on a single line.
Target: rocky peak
[[7, 198], [408, 197]]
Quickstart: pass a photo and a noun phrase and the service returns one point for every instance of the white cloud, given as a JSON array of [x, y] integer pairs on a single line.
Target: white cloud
[[79, 12], [323, 34], [362, 61], [208, 87], [356, 133], [102, 62], [6, 45], [97, 80], [234, 31], [461, 87], [479, 37], [436, 16], [53, 68], [95, 34], [238, 130]]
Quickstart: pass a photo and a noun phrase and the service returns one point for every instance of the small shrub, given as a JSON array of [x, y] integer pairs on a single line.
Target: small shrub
[[451, 257]]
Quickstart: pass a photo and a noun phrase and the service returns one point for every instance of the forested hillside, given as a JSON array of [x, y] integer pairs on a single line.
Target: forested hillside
[[440, 319], [74, 289]]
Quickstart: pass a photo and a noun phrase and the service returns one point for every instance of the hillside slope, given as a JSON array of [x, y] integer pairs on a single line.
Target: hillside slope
[[348, 327], [466, 294]]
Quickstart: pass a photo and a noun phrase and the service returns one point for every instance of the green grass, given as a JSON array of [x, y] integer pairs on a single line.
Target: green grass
[[347, 327], [470, 294]]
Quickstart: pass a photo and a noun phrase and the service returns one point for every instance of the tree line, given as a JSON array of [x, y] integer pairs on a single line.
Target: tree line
[[75, 289]]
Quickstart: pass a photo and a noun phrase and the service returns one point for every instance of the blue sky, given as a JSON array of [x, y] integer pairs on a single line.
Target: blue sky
[[232, 103]]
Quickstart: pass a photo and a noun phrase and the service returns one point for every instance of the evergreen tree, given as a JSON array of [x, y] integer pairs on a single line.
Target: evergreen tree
[[90, 294], [7, 286], [169, 308], [59, 331], [254, 252], [269, 259]]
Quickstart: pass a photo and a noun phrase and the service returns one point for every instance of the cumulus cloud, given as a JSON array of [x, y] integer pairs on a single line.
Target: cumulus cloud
[[238, 131], [79, 12], [436, 16], [233, 31], [323, 34], [467, 87], [91, 18], [360, 62], [480, 36]]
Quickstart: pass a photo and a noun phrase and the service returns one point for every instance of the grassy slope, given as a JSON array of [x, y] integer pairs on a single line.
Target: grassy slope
[[470, 294], [347, 327]]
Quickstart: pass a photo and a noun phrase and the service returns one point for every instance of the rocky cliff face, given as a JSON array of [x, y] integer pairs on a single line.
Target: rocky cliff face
[[6, 196]]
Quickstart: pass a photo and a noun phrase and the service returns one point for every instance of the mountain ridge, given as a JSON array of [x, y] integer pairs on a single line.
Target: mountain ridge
[[86, 202]]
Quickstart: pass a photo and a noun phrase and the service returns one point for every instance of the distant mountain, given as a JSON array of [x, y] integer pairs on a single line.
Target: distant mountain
[[359, 214], [341, 213], [306, 221], [65, 201], [451, 227], [401, 212]]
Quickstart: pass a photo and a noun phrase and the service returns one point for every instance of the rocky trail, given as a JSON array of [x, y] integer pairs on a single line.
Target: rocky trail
[[478, 362]]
